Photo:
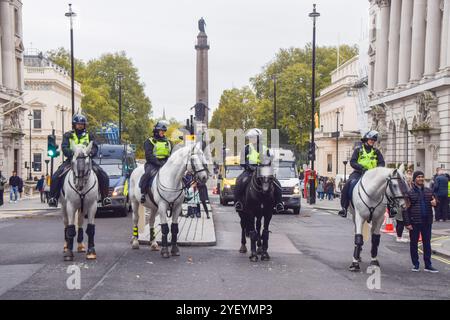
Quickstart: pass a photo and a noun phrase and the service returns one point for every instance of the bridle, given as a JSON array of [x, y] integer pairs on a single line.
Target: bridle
[[84, 177], [391, 200]]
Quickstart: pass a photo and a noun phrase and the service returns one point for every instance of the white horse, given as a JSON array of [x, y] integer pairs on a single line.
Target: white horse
[[166, 195], [79, 193], [374, 191]]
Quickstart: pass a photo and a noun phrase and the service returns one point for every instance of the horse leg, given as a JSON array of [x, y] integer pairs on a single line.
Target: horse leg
[[259, 250], [90, 231], [135, 217], [164, 231], [70, 233], [253, 237], [153, 244], [265, 236], [359, 242], [66, 223], [174, 230], [376, 225], [81, 248], [243, 248]]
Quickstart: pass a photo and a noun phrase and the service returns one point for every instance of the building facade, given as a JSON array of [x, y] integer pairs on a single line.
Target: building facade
[[409, 81], [11, 88], [339, 129], [48, 99]]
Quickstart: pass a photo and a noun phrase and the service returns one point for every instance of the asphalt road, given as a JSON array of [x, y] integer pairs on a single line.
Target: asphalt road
[[310, 255]]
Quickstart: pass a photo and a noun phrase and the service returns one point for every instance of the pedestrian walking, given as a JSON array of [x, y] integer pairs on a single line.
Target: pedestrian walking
[[204, 198], [40, 188], [418, 219], [20, 189], [320, 189], [14, 182], [193, 201], [440, 190], [330, 189], [2, 187]]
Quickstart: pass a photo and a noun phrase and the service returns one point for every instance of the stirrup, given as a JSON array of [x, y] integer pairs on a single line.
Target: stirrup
[[343, 213], [238, 206], [279, 207], [107, 201], [52, 202]]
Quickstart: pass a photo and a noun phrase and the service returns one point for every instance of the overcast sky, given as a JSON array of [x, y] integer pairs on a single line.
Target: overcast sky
[[160, 36]]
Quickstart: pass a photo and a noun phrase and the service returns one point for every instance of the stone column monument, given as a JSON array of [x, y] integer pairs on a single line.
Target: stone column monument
[[202, 48]]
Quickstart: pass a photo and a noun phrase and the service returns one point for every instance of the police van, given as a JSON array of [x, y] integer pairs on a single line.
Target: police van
[[286, 172], [118, 161]]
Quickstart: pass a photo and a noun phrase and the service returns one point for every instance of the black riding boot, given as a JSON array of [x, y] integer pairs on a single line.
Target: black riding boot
[[56, 186], [278, 194], [103, 184], [241, 185], [344, 199]]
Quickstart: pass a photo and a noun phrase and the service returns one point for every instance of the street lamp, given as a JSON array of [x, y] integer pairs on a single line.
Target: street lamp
[[345, 170], [312, 194], [71, 15], [274, 77], [30, 117], [119, 79], [337, 141]]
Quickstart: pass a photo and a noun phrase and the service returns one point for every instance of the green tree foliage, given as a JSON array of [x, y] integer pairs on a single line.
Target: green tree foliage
[[99, 85]]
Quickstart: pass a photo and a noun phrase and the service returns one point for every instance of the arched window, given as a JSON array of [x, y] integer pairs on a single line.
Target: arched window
[[392, 143]]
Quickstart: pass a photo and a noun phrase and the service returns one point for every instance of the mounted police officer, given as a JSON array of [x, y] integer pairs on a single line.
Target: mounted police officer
[[77, 136], [157, 150], [364, 158], [250, 159]]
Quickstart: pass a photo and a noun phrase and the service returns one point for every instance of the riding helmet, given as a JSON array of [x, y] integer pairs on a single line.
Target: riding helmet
[[253, 133], [371, 135], [79, 119]]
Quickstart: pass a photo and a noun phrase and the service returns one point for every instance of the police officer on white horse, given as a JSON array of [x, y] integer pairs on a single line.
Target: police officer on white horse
[[364, 158], [250, 159], [157, 150], [77, 136]]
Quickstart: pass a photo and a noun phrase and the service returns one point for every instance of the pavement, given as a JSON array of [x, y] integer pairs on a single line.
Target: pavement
[[440, 242], [25, 207]]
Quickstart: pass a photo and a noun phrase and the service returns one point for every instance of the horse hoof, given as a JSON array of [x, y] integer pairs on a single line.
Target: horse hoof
[[243, 249], [155, 247], [265, 256], [65, 249], [354, 267], [253, 258], [165, 252], [175, 251], [135, 244], [81, 248], [359, 260], [68, 255], [91, 255], [259, 251], [375, 263]]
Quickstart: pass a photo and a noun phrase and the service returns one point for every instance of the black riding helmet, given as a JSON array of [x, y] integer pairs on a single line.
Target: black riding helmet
[[371, 135], [160, 126], [79, 119]]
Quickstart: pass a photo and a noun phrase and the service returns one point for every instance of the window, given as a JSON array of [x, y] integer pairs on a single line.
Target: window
[[37, 119], [329, 163], [16, 21], [37, 162]]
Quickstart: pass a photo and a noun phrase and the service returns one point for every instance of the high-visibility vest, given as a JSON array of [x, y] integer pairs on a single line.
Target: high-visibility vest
[[75, 141], [254, 156], [368, 160], [161, 149], [448, 187]]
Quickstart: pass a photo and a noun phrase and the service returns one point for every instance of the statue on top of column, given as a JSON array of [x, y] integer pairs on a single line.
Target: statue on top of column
[[201, 25]]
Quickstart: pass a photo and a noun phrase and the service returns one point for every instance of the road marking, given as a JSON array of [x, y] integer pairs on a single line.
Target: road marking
[[436, 257]]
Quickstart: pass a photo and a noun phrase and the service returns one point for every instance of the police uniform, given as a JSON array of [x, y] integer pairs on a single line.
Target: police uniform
[[250, 159], [157, 151], [70, 140], [364, 158]]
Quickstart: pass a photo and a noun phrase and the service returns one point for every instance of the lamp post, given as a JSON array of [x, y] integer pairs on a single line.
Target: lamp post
[[274, 77], [119, 79], [30, 117], [70, 15], [345, 170], [312, 189], [337, 141], [46, 164]]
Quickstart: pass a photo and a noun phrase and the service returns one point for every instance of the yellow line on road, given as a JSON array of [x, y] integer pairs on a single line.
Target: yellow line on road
[[433, 256]]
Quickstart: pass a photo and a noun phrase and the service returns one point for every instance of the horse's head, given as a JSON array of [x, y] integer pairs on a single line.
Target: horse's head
[[81, 165], [265, 174], [197, 165], [397, 189]]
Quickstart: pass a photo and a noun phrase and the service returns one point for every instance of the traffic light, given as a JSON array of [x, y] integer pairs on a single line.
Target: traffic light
[[52, 147]]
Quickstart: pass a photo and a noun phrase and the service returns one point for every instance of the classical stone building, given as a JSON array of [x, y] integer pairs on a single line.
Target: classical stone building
[[11, 86], [338, 114], [409, 81], [48, 100]]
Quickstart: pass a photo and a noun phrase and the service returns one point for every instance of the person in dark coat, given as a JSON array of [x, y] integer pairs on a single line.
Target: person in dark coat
[[78, 136], [203, 193], [364, 158], [2, 187], [418, 219], [440, 189], [14, 183], [40, 188], [157, 151]]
